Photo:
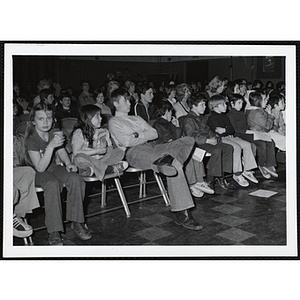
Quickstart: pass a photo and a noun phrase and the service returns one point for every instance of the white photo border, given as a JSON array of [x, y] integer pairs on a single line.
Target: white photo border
[[94, 49]]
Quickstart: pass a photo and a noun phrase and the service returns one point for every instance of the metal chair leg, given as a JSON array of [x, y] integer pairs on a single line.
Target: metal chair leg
[[122, 196], [30, 243], [143, 176], [103, 194], [141, 184], [163, 191]]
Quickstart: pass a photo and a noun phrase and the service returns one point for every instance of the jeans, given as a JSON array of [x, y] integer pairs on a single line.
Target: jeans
[[220, 160], [52, 182], [25, 198], [265, 153], [238, 145], [142, 156], [99, 165]]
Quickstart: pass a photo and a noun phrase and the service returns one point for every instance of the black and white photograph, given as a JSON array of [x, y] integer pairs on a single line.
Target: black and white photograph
[[146, 150], [150, 150]]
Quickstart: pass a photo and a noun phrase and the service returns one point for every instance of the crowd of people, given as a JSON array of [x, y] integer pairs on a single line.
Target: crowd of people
[[168, 129]]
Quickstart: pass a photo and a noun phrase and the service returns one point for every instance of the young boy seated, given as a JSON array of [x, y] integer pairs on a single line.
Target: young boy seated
[[64, 108], [168, 130], [265, 149], [144, 107], [132, 134], [219, 123], [277, 103], [195, 126]]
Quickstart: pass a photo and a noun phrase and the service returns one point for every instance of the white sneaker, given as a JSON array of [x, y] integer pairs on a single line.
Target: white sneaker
[[249, 175], [264, 172], [240, 180], [271, 171], [195, 192], [204, 187], [20, 228]]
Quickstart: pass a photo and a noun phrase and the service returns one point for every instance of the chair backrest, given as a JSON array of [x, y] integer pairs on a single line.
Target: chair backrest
[[181, 120], [24, 118], [105, 118], [67, 125], [20, 128]]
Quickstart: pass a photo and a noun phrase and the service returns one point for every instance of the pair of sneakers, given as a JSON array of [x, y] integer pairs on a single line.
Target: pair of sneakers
[[80, 229], [241, 179], [199, 188], [195, 191], [20, 227], [267, 172]]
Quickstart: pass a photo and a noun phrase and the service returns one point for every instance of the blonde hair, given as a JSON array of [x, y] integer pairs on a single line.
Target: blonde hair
[[215, 101], [215, 83]]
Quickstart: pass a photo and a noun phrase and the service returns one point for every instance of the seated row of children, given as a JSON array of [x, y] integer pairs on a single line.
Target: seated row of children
[[166, 147]]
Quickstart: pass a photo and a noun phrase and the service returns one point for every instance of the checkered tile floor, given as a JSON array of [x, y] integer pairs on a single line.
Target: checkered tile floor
[[231, 217]]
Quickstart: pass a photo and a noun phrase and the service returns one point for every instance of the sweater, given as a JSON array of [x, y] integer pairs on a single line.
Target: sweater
[[196, 127], [238, 120], [166, 131], [258, 119], [220, 120], [122, 129]]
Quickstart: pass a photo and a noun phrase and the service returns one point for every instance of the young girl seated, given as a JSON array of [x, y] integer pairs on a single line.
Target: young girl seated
[[219, 123], [99, 98], [260, 123], [168, 130], [265, 149], [42, 145], [92, 147]]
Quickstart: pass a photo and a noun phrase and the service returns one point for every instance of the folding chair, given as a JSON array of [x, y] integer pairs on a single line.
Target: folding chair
[[142, 179], [103, 191]]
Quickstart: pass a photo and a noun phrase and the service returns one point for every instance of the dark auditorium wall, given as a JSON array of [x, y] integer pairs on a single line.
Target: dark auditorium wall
[[243, 67], [69, 71], [73, 71]]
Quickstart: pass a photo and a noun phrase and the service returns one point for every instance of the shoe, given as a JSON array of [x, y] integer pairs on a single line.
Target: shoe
[[120, 167], [249, 175], [163, 165], [55, 239], [20, 228], [88, 172], [271, 171], [240, 180], [204, 187], [264, 172], [195, 191], [81, 230], [222, 183], [185, 219], [117, 168]]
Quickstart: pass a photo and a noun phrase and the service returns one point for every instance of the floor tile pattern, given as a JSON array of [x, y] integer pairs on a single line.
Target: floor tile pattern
[[230, 217]]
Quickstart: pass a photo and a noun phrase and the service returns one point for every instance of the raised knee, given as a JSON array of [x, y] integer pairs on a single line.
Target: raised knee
[[53, 184], [74, 178]]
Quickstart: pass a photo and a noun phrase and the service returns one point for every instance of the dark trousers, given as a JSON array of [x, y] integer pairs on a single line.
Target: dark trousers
[[220, 160], [265, 152], [52, 182]]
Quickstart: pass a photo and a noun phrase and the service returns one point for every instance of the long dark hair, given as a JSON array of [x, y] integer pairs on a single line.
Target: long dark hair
[[86, 113]]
